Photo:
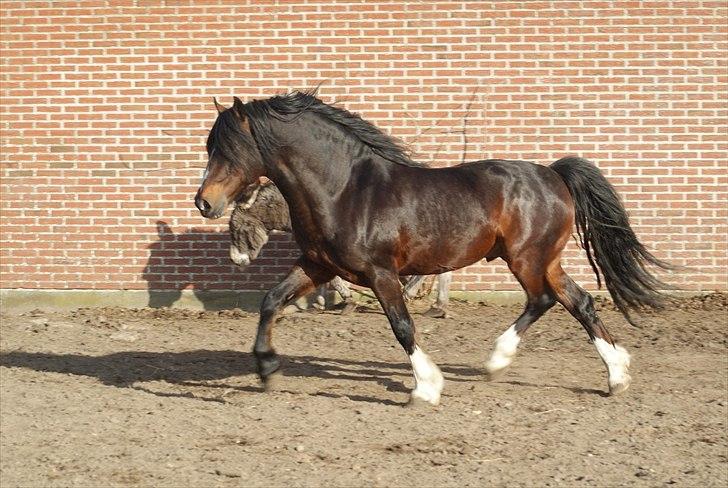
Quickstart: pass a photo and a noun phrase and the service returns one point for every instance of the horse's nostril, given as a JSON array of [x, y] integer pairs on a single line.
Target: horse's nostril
[[202, 205]]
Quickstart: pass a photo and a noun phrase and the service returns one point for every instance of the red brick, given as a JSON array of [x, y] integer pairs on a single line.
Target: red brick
[[103, 131]]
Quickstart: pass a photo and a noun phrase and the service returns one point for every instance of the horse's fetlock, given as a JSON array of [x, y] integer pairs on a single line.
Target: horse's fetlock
[[268, 363], [404, 332]]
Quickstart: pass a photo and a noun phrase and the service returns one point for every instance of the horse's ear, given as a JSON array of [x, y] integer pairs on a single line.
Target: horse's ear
[[220, 108], [238, 107]]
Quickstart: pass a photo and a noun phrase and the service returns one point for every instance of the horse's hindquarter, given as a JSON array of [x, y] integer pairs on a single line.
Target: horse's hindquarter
[[538, 211]]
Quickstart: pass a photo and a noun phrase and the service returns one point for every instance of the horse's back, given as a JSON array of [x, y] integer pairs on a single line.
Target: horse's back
[[486, 208], [489, 183], [506, 170], [516, 182]]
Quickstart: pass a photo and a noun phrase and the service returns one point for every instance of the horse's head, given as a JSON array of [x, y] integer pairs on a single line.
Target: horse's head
[[234, 161]]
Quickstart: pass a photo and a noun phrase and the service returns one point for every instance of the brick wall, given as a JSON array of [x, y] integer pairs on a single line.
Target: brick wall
[[106, 106]]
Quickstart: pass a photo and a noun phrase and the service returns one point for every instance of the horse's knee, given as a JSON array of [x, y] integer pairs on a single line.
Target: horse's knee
[[271, 303], [541, 303]]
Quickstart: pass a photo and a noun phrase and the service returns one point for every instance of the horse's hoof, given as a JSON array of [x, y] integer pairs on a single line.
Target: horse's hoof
[[618, 387], [436, 313], [348, 308], [418, 403], [494, 374]]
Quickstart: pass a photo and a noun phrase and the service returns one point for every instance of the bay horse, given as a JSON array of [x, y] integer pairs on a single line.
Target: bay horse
[[262, 209], [363, 210]]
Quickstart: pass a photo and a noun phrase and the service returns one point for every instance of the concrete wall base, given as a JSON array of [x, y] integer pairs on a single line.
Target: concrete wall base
[[21, 300]]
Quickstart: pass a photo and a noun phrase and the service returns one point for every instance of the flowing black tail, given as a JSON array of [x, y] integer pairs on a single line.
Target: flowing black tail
[[610, 243]]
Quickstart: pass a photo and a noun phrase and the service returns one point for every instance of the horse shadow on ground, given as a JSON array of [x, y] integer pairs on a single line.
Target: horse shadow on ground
[[205, 369], [199, 259], [573, 389]]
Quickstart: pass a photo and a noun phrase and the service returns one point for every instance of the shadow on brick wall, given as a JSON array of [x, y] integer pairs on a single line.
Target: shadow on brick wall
[[198, 259]]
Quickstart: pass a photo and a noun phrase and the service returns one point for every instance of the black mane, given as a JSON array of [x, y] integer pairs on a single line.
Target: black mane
[[289, 107]]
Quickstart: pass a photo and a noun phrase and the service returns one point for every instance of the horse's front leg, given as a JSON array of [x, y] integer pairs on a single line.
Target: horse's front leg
[[428, 379], [303, 277]]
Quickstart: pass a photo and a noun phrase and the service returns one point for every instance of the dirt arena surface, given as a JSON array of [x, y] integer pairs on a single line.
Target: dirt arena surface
[[118, 397]]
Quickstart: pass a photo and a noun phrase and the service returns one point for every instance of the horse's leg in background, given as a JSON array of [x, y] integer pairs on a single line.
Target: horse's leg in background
[[428, 378], [413, 286], [343, 289], [443, 290], [439, 308], [318, 301], [530, 272], [581, 305], [303, 277]]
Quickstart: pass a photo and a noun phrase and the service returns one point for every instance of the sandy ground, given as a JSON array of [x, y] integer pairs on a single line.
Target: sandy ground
[[116, 397]]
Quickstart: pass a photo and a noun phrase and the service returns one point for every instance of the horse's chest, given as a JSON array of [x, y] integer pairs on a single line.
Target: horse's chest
[[327, 259]]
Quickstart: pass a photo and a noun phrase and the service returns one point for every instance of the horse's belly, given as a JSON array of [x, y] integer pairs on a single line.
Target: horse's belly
[[441, 255]]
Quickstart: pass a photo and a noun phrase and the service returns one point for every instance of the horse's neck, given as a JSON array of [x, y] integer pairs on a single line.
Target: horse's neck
[[306, 182], [315, 153], [313, 172]]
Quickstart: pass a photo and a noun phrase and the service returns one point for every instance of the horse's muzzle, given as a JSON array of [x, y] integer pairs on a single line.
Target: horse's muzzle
[[206, 209]]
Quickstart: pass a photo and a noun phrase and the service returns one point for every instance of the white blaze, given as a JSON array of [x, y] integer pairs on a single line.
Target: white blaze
[[204, 174]]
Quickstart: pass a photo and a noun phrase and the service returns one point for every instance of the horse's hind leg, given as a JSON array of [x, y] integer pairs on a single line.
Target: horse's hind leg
[[539, 299], [412, 287], [439, 308], [581, 305]]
